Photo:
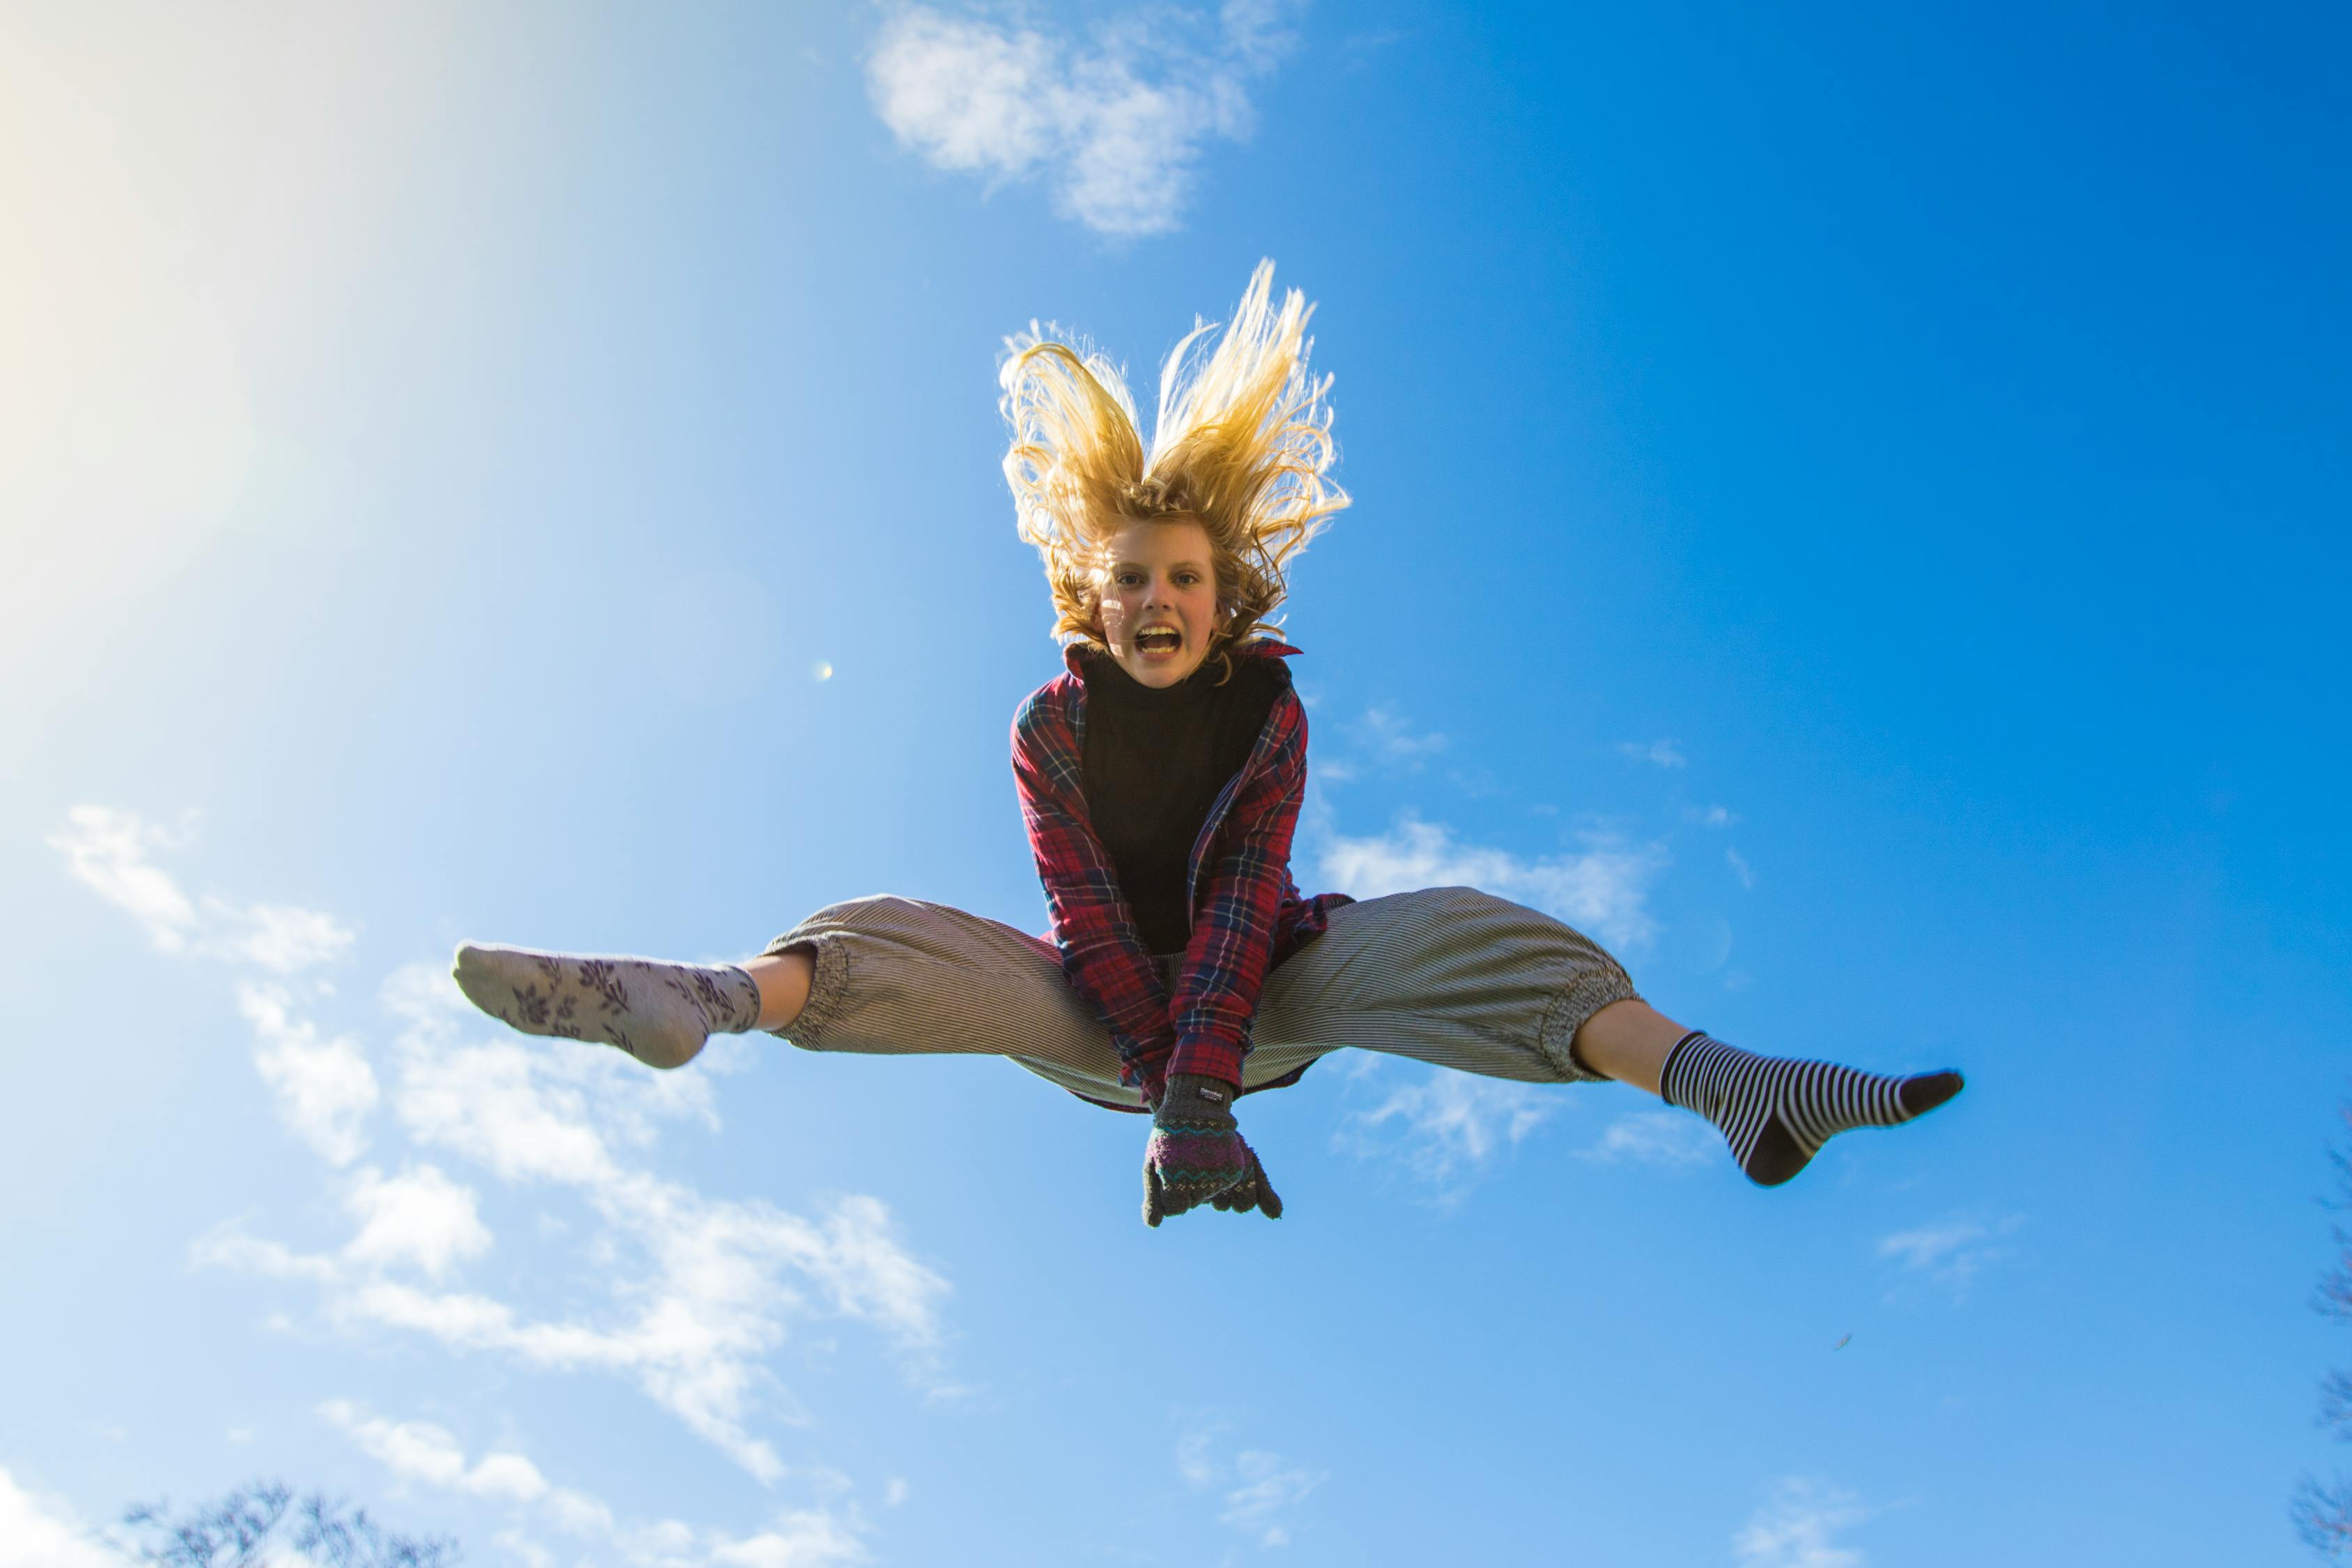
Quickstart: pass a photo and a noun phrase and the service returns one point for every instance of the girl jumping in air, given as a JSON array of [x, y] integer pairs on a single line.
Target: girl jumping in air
[[1161, 777]]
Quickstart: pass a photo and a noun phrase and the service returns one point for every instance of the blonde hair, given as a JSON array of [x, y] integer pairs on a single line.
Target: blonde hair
[[1241, 444]]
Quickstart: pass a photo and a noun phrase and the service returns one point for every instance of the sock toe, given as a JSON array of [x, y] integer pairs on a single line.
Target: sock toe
[[1922, 1094], [470, 969]]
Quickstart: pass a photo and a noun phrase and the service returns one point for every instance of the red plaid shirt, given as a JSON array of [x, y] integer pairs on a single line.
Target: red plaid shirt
[[1247, 915]]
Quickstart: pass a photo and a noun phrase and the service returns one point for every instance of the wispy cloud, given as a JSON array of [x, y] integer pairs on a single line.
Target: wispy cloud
[[1261, 1491], [1385, 734], [108, 851], [112, 851], [1739, 868], [1114, 122], [1674, 1139], [1711, 816], [1358, 50], [1603, 889], [1449, 1124], [1952, 1251], [430, 1455], [1662, 753], [1270, 1488], [421, 1451], [700, 1291], [324, 1088], [1794, 1527]]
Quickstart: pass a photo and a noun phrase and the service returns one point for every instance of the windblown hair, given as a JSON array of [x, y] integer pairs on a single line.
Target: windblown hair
[[1241, 444]]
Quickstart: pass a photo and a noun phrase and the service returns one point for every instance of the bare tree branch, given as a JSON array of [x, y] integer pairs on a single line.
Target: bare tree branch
[[2323, 1514], [2321, 1510], [241, 1529], [2335, 1403]]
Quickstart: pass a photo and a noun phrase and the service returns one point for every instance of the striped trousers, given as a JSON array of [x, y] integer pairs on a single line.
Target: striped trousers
[[1447, 975]]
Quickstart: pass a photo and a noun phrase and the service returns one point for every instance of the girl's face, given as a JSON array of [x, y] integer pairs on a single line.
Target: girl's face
[[1158, 599]]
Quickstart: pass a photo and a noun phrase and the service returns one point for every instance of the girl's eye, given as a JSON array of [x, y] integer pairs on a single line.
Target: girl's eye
[[1130, 580]]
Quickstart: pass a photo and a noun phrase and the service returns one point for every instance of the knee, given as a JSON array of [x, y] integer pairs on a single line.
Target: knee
[[1476, 915], [1468, 904], [883, 909]]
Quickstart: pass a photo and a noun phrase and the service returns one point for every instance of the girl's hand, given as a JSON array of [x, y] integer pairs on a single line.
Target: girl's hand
[[1197, 1154], [1254, 1191]]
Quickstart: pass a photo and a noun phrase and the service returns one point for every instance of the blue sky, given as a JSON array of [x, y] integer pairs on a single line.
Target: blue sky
[[1850, 507]]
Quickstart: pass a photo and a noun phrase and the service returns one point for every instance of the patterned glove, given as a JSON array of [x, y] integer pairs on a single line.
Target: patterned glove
[[1197, 1155], [1253, 1192]]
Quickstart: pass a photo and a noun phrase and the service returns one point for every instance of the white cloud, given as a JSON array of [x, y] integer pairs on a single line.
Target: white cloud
[[702, 1290], [1794, 1526], [576, 1514], [698, 1291], [1261, 1491], [1194, 1459], [36, 1532], [229, 1247], [1739, 868], [1603, 890], [430, 1455], [108, 851], [278, 937], [1951, 1251], [511, 1106], [522, 1547], [1929, 1246], [421, 1451], [1670, 1138], [807, 1537], [1270, 1488], [419, 1217], [1663, 754], [1450, 1121], [1711, 816], [324, 1088], [1114, 124], [1385, 734]]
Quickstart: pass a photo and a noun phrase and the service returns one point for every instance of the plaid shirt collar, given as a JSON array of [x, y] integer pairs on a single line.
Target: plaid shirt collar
[[1074, 655]]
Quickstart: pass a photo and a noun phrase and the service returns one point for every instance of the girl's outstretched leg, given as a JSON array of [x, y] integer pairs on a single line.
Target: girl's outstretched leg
[[659, 1013], [783, 979], [1775, 1113]]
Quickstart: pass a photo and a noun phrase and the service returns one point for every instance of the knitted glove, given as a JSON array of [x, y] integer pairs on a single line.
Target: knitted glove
[[1197, 1155], [1253, 1192]]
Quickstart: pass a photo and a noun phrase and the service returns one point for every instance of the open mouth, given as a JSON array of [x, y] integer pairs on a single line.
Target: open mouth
[[1158, 639]]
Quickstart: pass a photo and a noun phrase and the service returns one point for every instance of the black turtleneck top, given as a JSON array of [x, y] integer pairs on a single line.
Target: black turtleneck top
[[1156, 759]]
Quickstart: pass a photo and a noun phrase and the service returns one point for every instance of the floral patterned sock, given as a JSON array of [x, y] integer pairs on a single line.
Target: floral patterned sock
[[659, 1013]]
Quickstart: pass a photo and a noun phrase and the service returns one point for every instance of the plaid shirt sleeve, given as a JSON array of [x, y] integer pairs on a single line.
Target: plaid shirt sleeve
[[1102, 952], [1247, 884]]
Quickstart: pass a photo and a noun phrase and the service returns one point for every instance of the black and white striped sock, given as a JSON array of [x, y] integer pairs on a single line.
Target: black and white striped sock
[[1776, 1114]]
